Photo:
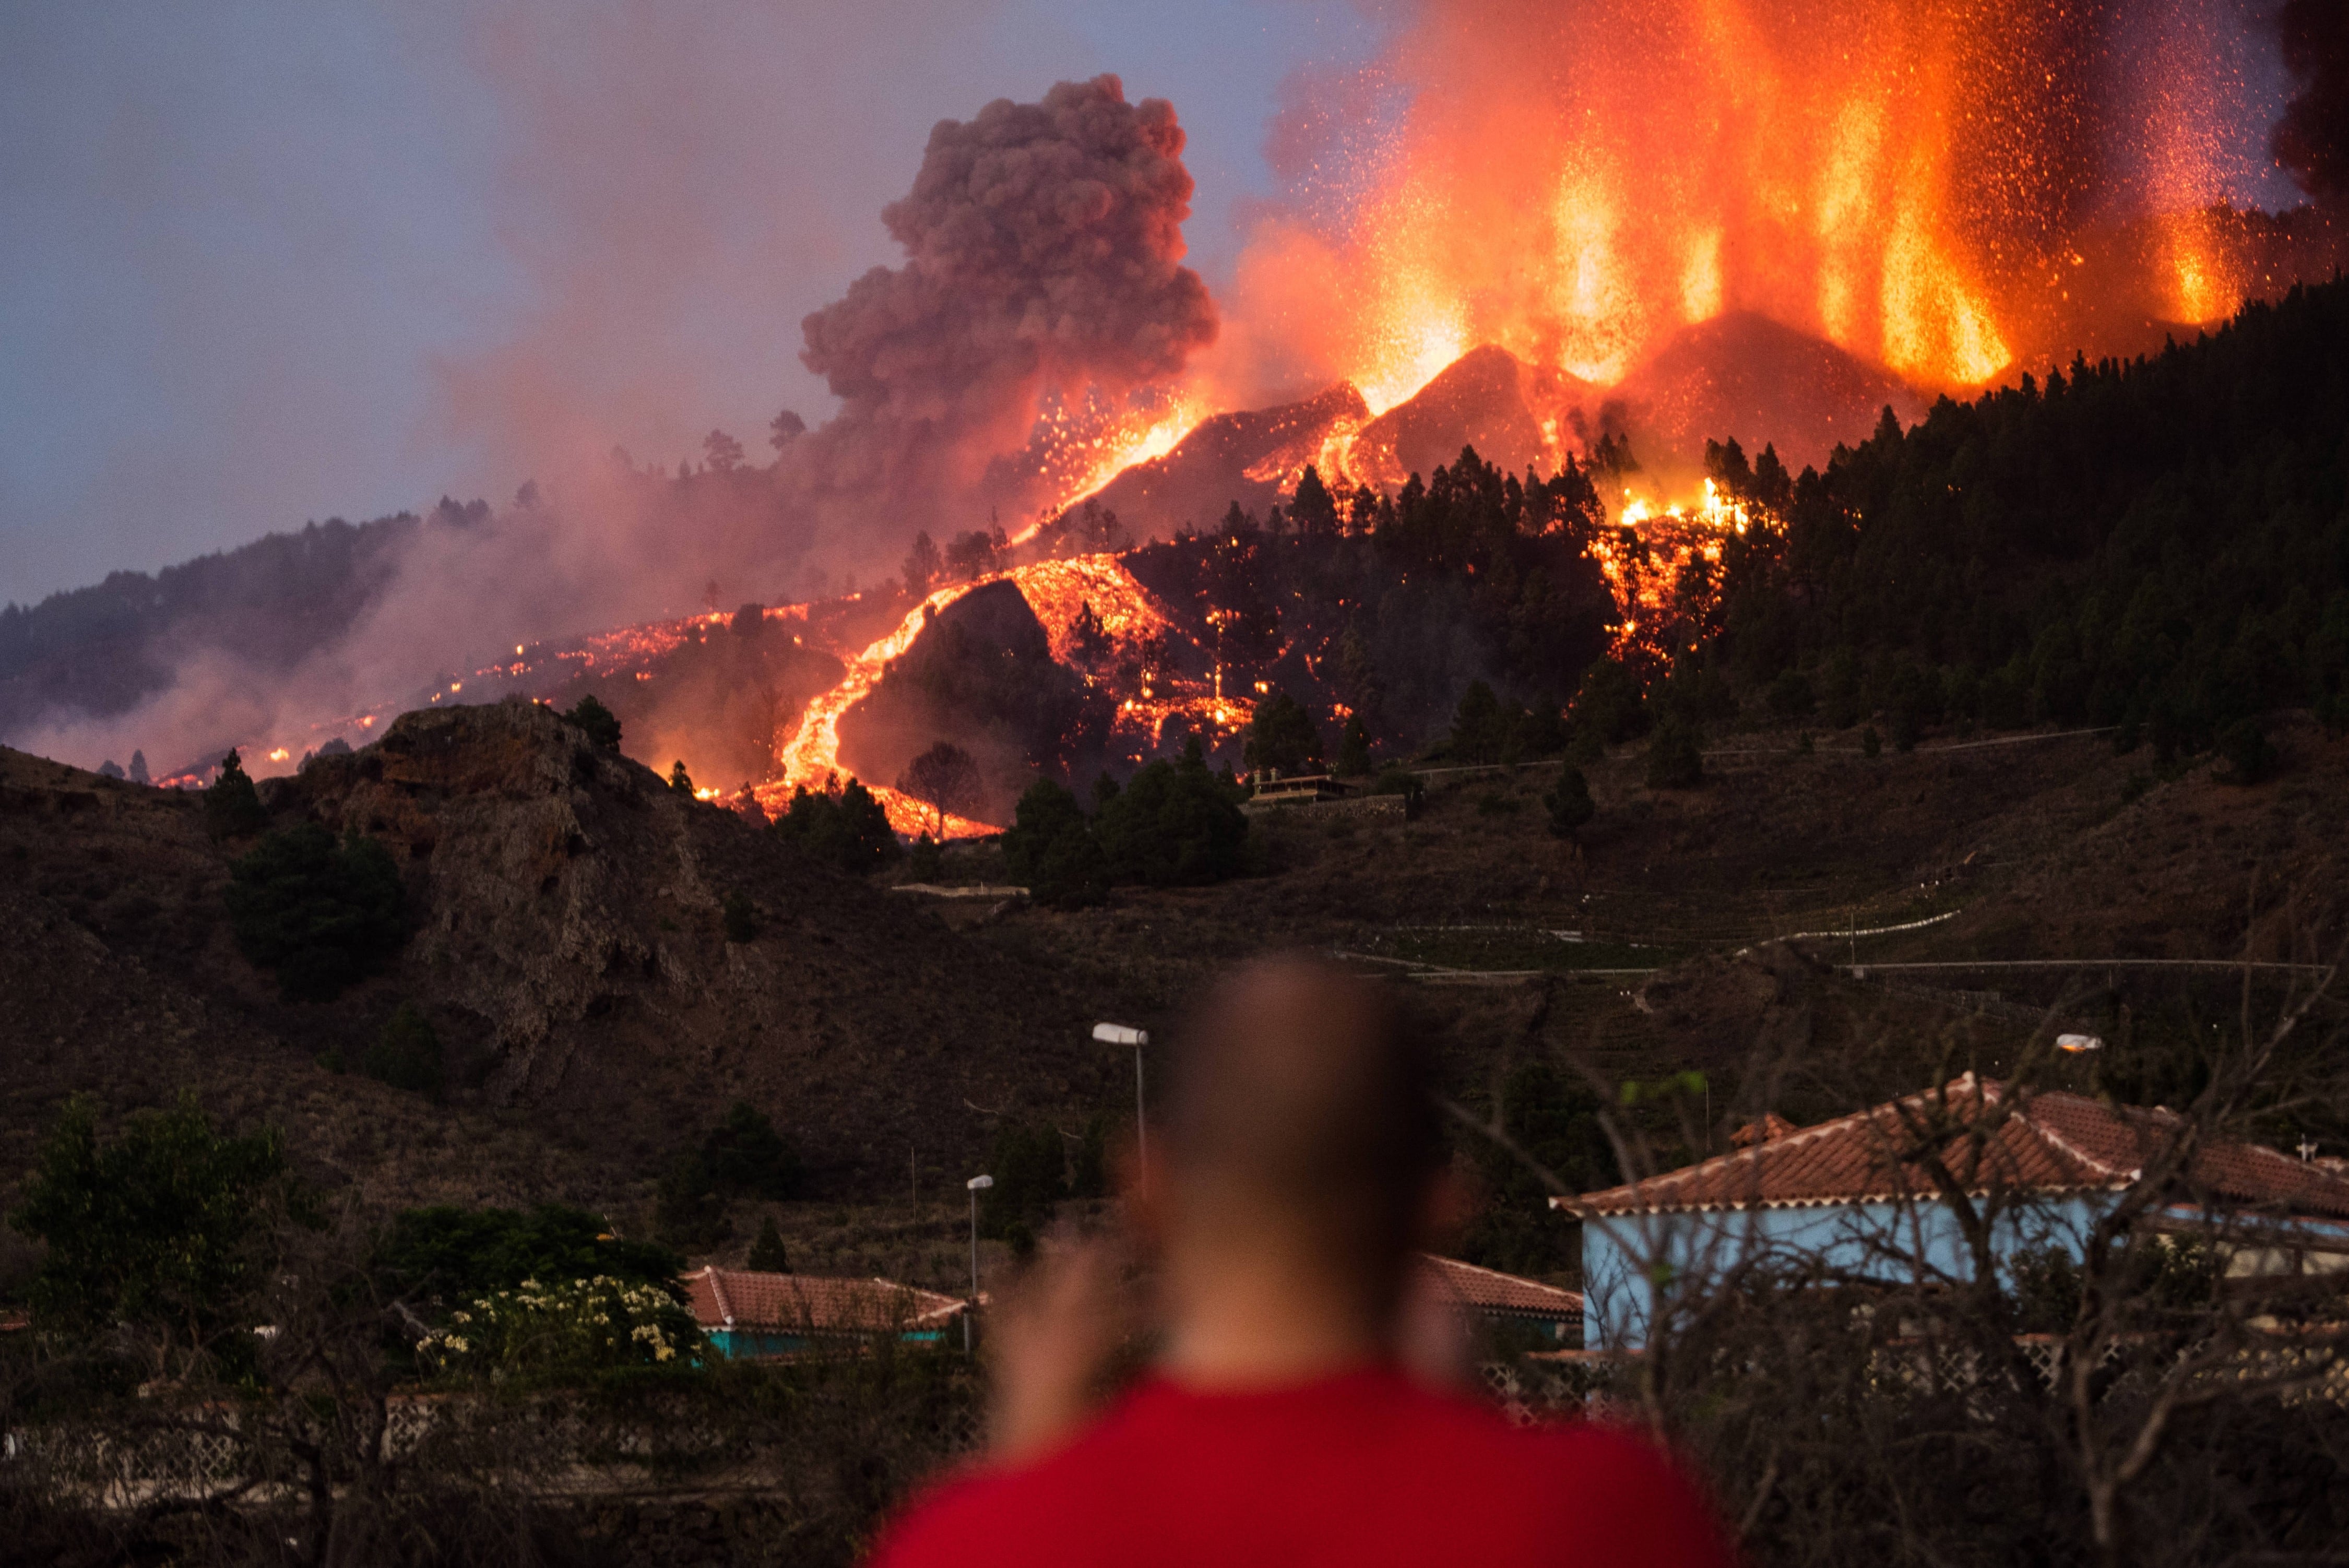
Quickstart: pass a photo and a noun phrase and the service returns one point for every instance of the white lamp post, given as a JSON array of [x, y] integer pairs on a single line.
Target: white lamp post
[[1120, 1035], [977, 1184]]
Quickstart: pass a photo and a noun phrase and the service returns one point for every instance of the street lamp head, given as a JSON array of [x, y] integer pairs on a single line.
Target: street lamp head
[[1120, 1035], [979, 1183]]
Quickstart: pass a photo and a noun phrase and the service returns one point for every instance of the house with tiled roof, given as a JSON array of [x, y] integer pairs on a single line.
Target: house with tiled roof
[[746, 1314], [1861, 1195], [1501, 1300]]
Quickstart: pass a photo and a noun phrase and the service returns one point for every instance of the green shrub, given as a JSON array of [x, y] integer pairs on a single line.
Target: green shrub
[[1610, 705], [1174, 824], [447, 1253], [1791, 696], [321, 915], [1675, 760], [1281, 735], [602, 725], [926, 862], [1353, 749], [157, 1231], [575, 1325], [407, 1054], [1397, 779], [1051, 850], [1570, 802], [743, 1156], [767, 1253], [846, 827], [739, 916]]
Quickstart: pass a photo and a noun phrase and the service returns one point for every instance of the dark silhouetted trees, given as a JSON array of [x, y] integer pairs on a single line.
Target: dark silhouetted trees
[[157, 1231], [1281, 735], [322, 913], [233, 805], [742, 1157], [843, 826], [407, 1053]]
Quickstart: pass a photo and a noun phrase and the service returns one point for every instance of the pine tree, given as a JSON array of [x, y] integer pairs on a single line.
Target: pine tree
[[767, 1255], [233, 805]]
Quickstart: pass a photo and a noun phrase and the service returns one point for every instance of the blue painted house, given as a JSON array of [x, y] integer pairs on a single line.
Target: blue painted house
[[1859, 1194], [747, 1315]]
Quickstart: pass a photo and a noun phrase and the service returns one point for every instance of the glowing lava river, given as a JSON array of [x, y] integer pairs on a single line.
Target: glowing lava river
[[1057, 591]]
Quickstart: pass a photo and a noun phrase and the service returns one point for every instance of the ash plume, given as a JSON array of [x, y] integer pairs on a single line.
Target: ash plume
[[1043, 251]]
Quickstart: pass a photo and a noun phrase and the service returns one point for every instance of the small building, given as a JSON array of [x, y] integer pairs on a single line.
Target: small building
[[745, 1314], [1269, 788], [1497, 1300], [1850, 1193]]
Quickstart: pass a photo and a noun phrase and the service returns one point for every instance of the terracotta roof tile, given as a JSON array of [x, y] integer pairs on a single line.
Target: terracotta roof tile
[[1488, 1290], [739, 1298], [2048, 1142]]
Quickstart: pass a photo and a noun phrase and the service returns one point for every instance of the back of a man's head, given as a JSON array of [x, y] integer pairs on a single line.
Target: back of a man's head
[[1303, 1118]]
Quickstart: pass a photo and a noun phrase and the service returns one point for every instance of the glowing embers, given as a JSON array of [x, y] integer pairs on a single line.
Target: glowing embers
[[1082, 452], [1664, 567]]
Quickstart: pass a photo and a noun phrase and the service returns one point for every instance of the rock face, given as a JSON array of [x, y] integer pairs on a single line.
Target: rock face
[[570, 948], [573, 927]]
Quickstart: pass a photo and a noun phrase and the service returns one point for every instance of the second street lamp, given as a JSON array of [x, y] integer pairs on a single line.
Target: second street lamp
[[977, 1184], [1120, 1035]]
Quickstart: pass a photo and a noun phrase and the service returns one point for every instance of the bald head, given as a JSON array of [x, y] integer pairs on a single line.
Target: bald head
[[1303, 1114]]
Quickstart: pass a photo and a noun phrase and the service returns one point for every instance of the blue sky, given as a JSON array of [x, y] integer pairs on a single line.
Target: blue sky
[[254, 251]]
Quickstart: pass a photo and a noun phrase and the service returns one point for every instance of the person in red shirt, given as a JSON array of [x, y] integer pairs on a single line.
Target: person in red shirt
[[1299, 1166]]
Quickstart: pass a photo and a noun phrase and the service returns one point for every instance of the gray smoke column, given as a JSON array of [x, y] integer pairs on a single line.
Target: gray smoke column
[[1043, 249]]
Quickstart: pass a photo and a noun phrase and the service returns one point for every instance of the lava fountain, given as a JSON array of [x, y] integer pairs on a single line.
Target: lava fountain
[[1917, 181]]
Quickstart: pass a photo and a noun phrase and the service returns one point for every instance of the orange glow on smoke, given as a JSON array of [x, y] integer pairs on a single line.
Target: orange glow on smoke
[[1578, 182]]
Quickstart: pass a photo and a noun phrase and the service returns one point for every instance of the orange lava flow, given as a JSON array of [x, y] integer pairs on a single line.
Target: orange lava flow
[[810, 759], [1080, 464], [1057, 591], [1651, 572]]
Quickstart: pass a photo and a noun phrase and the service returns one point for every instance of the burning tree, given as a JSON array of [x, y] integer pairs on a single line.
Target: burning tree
[[944, 778]]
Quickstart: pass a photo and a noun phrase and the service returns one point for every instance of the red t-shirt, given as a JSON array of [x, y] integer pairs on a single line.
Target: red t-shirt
[[1359, 1469]]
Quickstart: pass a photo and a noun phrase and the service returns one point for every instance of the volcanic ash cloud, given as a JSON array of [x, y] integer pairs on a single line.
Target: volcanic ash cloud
[[1043, 248]]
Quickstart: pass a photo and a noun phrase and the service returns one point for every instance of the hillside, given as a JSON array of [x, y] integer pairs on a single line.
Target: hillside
[[569, 949], [99, 650]]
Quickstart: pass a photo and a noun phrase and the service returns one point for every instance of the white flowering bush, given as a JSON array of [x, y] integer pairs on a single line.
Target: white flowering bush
[[586, 1324]]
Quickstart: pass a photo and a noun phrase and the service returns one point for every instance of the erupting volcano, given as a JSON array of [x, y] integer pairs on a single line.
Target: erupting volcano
[[1950, 191], [1555, 248]]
